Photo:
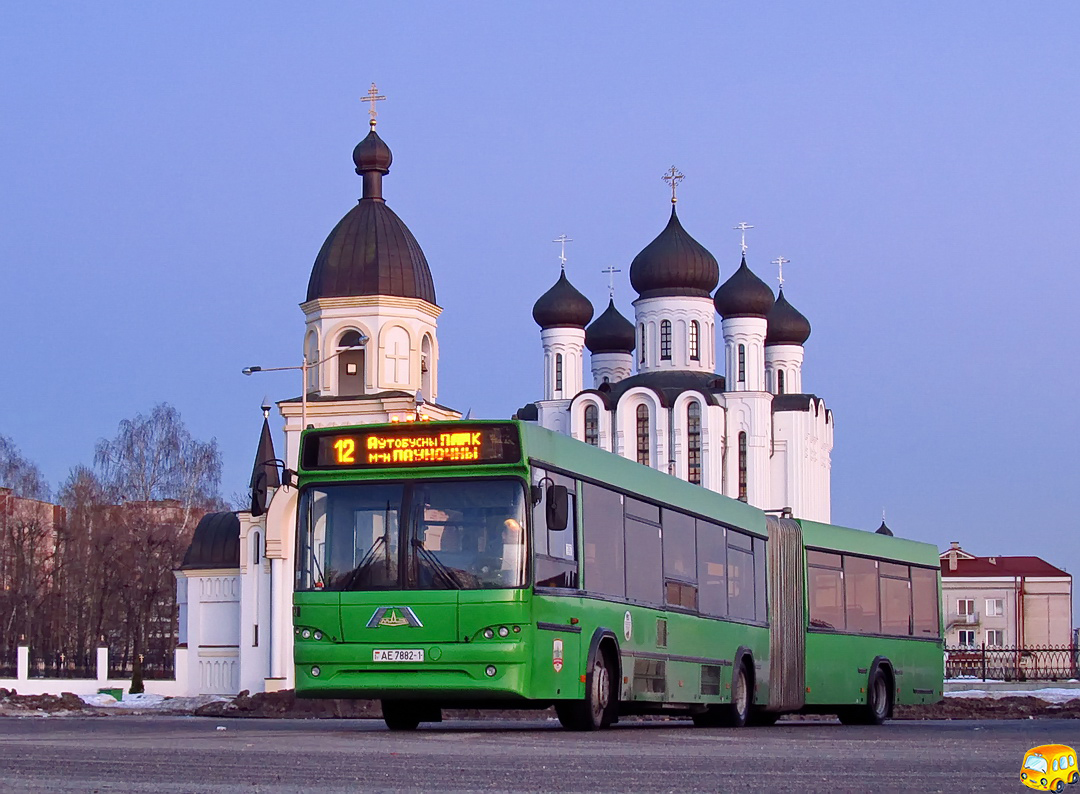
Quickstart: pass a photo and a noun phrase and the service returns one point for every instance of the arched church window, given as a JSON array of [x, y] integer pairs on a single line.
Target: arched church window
[[558, 372], [592, 425], [642, 345], [693, 442], [311, 358], [742, 466], [742, 363], [350, 364], [425, 367], [643, 435], [255, 550], [695, 344], [779, 381], [665, 340], [349, 339]]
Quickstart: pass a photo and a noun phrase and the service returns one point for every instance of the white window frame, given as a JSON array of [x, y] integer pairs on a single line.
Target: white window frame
[[1000, 636], [995, 607], [971, 641]]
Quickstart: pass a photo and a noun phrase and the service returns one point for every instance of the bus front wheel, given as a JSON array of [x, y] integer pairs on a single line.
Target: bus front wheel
[[597, 709], [400, 716]]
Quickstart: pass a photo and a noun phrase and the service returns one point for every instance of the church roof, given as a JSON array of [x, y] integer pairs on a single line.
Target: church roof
[[787, 326], [371, 251], [668, 385], [215, 544], [674, 264], [884, 529], [743, 295], [562, 306], [610, 332], [799, 402]]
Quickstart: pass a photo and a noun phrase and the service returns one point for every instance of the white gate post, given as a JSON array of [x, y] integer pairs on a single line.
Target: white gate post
[[102, 665], [23, 663]]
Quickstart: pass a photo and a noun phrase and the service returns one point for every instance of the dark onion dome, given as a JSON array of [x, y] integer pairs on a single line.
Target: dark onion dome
[[674, 264], [884, 529], [786, 325], [372, 154], [370, 251], [610, 332], [743, 295], [215, 544], [562, 306]]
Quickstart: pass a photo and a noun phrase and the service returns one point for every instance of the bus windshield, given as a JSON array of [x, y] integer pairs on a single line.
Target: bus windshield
[[414, 535]]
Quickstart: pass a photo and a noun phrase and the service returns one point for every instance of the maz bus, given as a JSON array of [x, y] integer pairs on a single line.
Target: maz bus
[[498, 564]]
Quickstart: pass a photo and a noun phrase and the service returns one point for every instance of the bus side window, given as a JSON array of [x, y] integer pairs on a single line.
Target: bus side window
[[712, 573], [680, 560], [602, 534], [555, 552]]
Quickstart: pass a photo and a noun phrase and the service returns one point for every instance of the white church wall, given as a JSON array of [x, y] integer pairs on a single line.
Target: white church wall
[[789, 360], [680, 311], [612, 366], [603, 415], [563, 350], [626, 424], [749, 334]]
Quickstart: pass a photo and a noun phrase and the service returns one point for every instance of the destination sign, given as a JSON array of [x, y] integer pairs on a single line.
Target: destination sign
[[444, 444]]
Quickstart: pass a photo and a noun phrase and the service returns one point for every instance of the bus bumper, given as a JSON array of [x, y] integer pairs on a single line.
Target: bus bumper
[[452, 671]]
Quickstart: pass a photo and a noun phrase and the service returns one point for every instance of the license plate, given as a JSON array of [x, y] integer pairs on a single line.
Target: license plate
[[398, 655]]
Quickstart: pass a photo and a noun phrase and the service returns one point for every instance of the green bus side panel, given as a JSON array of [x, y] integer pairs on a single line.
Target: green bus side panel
[[838, 668]]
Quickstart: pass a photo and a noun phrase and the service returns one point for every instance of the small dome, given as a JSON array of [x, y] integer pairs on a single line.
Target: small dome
[[786, 325], [562, 306], [610, 332], [372, 154], [674, 264], [743, 295], [215, 544]]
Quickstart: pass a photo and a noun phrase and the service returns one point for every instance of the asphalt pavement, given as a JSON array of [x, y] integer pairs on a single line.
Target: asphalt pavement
[[195, 754]]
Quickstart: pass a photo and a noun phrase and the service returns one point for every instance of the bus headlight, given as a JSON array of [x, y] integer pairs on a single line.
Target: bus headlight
[[316, 672], [503, 631], [306, 634], [488, 634], [491, 671], [318, 635]]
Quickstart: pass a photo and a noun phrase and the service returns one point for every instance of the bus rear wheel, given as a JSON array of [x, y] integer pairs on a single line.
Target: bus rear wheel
[[733, 714], [400, 715], [597, 709], [878, 705]]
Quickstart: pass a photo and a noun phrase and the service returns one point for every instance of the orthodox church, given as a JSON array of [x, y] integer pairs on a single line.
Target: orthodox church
[[656, 397], [371, 354]]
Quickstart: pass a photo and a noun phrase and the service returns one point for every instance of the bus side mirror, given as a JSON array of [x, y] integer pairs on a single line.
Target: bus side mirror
[[558, 504]]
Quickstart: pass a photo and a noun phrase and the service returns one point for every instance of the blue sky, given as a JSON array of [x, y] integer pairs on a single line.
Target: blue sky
[[169, 172]]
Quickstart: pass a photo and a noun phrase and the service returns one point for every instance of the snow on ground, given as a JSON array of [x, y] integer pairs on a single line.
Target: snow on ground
[[1050, 695], [148, 702]]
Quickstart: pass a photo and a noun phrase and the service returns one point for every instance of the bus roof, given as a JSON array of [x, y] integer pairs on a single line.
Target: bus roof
[[860, 541]]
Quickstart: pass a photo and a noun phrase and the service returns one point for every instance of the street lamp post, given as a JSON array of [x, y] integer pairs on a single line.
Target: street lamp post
[[304, 366]]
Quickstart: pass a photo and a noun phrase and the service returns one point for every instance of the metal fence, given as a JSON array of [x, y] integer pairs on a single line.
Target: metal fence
[[1000, 663], [59, 665], [156, 665], [9, 667]]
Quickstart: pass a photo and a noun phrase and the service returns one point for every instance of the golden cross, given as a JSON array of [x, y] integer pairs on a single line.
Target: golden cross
[[673, 176], [780, 262], [372, 96]]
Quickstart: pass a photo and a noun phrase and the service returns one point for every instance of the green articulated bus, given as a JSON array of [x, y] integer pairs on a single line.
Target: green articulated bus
[[502, 565]]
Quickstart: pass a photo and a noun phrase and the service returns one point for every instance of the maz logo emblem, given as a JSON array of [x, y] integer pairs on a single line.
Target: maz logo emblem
[[394, 616]]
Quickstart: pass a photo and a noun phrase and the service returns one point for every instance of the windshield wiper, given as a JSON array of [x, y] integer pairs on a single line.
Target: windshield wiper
[[365, 561], [437, 565]]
